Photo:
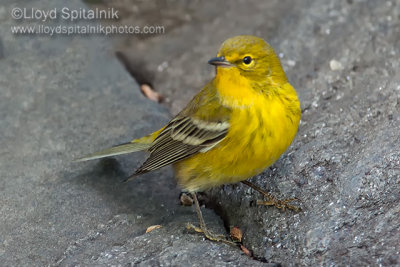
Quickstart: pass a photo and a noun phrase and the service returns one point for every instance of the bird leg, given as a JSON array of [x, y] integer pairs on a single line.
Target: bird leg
[[203, 229], [272, 200]]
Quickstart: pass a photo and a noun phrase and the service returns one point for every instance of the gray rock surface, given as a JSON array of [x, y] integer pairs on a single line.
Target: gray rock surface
[[345, 162], [64, 96], [344, 165]]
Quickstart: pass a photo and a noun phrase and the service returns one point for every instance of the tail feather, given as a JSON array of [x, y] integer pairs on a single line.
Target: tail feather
[[116, 150], [133, 146], [130, 178]]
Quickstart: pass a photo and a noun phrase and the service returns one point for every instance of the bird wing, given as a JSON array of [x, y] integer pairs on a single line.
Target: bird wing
[[198, 128]]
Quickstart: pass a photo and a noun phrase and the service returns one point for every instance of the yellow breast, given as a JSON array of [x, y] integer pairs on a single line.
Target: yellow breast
[[261, 129]]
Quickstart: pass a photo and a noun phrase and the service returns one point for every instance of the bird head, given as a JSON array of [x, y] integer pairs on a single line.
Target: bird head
[[250, 57]]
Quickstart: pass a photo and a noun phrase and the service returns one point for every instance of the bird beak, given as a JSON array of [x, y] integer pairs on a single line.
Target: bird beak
[[219, 61]]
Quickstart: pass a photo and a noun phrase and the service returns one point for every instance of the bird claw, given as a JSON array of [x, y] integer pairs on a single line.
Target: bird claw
[[272, 200], [210, 235], [280, 204]]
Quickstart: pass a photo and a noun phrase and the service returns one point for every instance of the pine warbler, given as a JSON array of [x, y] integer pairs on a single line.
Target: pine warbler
[[235, 127]]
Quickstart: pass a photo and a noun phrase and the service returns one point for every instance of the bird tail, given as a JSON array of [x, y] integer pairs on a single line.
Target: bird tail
[[133, 146], [115, 150]]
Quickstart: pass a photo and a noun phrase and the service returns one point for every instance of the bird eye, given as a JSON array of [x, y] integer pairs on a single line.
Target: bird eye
[[247, 60]]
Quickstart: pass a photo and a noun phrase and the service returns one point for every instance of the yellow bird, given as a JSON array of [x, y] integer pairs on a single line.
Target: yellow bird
[[236, 126]]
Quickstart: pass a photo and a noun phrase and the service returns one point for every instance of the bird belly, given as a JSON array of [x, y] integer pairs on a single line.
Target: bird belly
[[255, 140]]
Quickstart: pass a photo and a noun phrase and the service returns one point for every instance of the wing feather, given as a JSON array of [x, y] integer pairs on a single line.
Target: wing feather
[[182, 138]]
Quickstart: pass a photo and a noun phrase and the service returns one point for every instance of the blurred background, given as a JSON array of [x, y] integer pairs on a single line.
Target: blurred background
[[64, 95], [174, 59]]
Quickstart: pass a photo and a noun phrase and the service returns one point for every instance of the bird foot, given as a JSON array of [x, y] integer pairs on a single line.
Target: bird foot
[[210, 235], [272, 200], [280, 204]]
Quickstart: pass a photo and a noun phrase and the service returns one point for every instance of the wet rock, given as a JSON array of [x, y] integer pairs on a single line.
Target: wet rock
[[66, 96], [342, 58], [63, 97]]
